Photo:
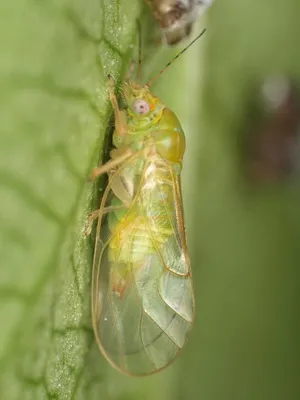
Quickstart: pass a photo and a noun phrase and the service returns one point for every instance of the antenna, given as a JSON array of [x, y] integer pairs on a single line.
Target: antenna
[[175, 58], [139, 71]]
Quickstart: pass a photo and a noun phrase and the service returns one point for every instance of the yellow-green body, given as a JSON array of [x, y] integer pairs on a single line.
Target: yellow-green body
[[143, 304], [163, 132]]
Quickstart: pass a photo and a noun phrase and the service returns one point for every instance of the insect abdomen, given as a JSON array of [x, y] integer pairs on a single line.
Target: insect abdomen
[[144, 227]]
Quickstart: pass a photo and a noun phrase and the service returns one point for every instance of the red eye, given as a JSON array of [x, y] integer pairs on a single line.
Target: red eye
[[141, 107]]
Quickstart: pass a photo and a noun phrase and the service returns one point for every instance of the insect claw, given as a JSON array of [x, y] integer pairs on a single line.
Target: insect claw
[[88, 230], [89, 222], [110, 78], [93, 175]]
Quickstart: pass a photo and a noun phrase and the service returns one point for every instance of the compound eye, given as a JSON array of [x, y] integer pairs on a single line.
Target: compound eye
[[141, 106]]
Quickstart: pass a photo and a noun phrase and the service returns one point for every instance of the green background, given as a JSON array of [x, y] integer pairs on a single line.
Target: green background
[[243, 239]]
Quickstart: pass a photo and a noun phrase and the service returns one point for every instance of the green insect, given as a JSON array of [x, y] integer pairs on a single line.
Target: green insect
[[142, 295]]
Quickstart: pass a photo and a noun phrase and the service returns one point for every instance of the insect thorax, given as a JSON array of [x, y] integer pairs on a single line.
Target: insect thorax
[[162, 130]]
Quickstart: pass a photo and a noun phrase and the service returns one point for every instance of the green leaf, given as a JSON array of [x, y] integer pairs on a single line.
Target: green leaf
[[54, 115]]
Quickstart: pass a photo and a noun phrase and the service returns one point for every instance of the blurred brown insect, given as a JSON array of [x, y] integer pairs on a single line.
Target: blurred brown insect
[[176, 17], [275, 137]]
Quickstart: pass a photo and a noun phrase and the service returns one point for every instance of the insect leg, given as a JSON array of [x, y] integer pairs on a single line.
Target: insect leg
[[120, 122], [111, 164], [95, 214]]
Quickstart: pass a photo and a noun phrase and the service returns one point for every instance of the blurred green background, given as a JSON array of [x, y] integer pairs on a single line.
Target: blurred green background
[[243, 239]]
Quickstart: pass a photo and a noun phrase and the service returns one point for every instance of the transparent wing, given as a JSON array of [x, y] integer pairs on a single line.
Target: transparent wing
[[142, 300]]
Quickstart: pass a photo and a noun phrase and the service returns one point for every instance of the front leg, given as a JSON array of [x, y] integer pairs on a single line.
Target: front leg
[[120, 120], [118, 156]]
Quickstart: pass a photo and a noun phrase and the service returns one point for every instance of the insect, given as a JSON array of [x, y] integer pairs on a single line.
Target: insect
[[142, 295], [176, 17]]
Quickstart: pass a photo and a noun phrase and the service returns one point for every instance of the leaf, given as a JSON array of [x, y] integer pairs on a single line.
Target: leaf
[[54, 113]]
